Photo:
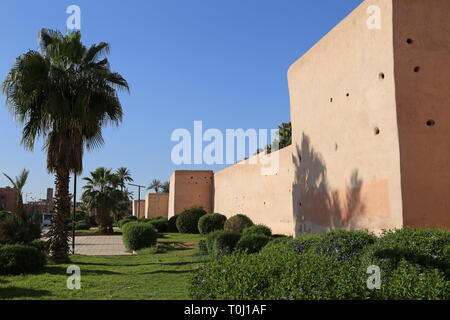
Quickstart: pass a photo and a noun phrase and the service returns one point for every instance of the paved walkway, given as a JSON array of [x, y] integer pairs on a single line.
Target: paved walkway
[[99, 246]]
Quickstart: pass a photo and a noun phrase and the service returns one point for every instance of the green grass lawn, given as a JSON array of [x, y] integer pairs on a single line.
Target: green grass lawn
[[161, 276], [92, 231]]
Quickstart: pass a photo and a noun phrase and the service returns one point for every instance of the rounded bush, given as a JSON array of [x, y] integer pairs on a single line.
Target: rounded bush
[[172, 224], [238, 223], [222, 242], [211, 222], [126, 220], [16, 230], [80, 216], [21, 259], [257, 229], [82, 225], [161, 224], [252, 243], [136, 235], [187, 222]]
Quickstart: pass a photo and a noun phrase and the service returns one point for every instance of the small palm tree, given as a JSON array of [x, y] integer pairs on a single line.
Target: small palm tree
[[166, 187], [155, 185], [124, 176], [18, 183], [99, 195], [65, 94]]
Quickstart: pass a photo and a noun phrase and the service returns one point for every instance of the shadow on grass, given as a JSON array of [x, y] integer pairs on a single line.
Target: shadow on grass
[[141, 264], [15, 292], [169, 271], [175, 245], [178, 263], [63, 271]]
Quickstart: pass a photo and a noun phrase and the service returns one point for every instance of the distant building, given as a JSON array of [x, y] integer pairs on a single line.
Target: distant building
[[8, 199], [41, 206]]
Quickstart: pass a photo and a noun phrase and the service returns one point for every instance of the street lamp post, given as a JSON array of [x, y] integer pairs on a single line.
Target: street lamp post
[[139, 197], [74, 208]]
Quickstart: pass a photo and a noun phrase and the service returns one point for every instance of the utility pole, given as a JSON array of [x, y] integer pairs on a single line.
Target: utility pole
[[139, 198]]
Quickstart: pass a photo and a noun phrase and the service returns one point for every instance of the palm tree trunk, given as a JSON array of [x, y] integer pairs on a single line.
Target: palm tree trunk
[[104, 220], [59, 231], [20, 211]]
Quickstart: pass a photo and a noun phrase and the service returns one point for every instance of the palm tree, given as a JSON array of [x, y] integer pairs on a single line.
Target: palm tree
[[166, 187], [65, 94], [124, 176], [99, 195], [155, 185], [18, 183]]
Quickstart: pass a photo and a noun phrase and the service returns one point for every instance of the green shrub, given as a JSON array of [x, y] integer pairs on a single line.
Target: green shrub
[[172, 224], [187, 221], [238, 223], [343, 244], [203, 246], [211, 222], [277, 272], [413, 266], [41, 245], [20, 259], [82, 225], [252, 242], [90, 221], [16, 230], [428, 248], [222, 242], [4, 214], [138, 235], [126, 220], [257, 229], [80, 216], [414, 263], [161, 224]]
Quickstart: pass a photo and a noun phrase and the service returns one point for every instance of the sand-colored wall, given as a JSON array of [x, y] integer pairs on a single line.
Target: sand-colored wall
[[342, 93], [190, 188], [267, 199], [423, 96], [138, 208], [363, 156], [156, 205]]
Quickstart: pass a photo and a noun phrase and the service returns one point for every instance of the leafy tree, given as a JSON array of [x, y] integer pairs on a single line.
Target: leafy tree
[[285, 135], [64, 93], [18, 183]]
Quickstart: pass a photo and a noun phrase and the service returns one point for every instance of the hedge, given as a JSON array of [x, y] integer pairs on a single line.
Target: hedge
[[21, 259], [137, 235], [238, 223], [211, 222], [187, 222], [414, 265], [258, 229]]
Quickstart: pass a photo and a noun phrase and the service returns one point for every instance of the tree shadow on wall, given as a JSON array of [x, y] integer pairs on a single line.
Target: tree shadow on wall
[[318, 207]]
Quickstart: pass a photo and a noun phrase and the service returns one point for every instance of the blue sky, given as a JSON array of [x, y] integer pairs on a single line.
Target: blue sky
[[223, 62]]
